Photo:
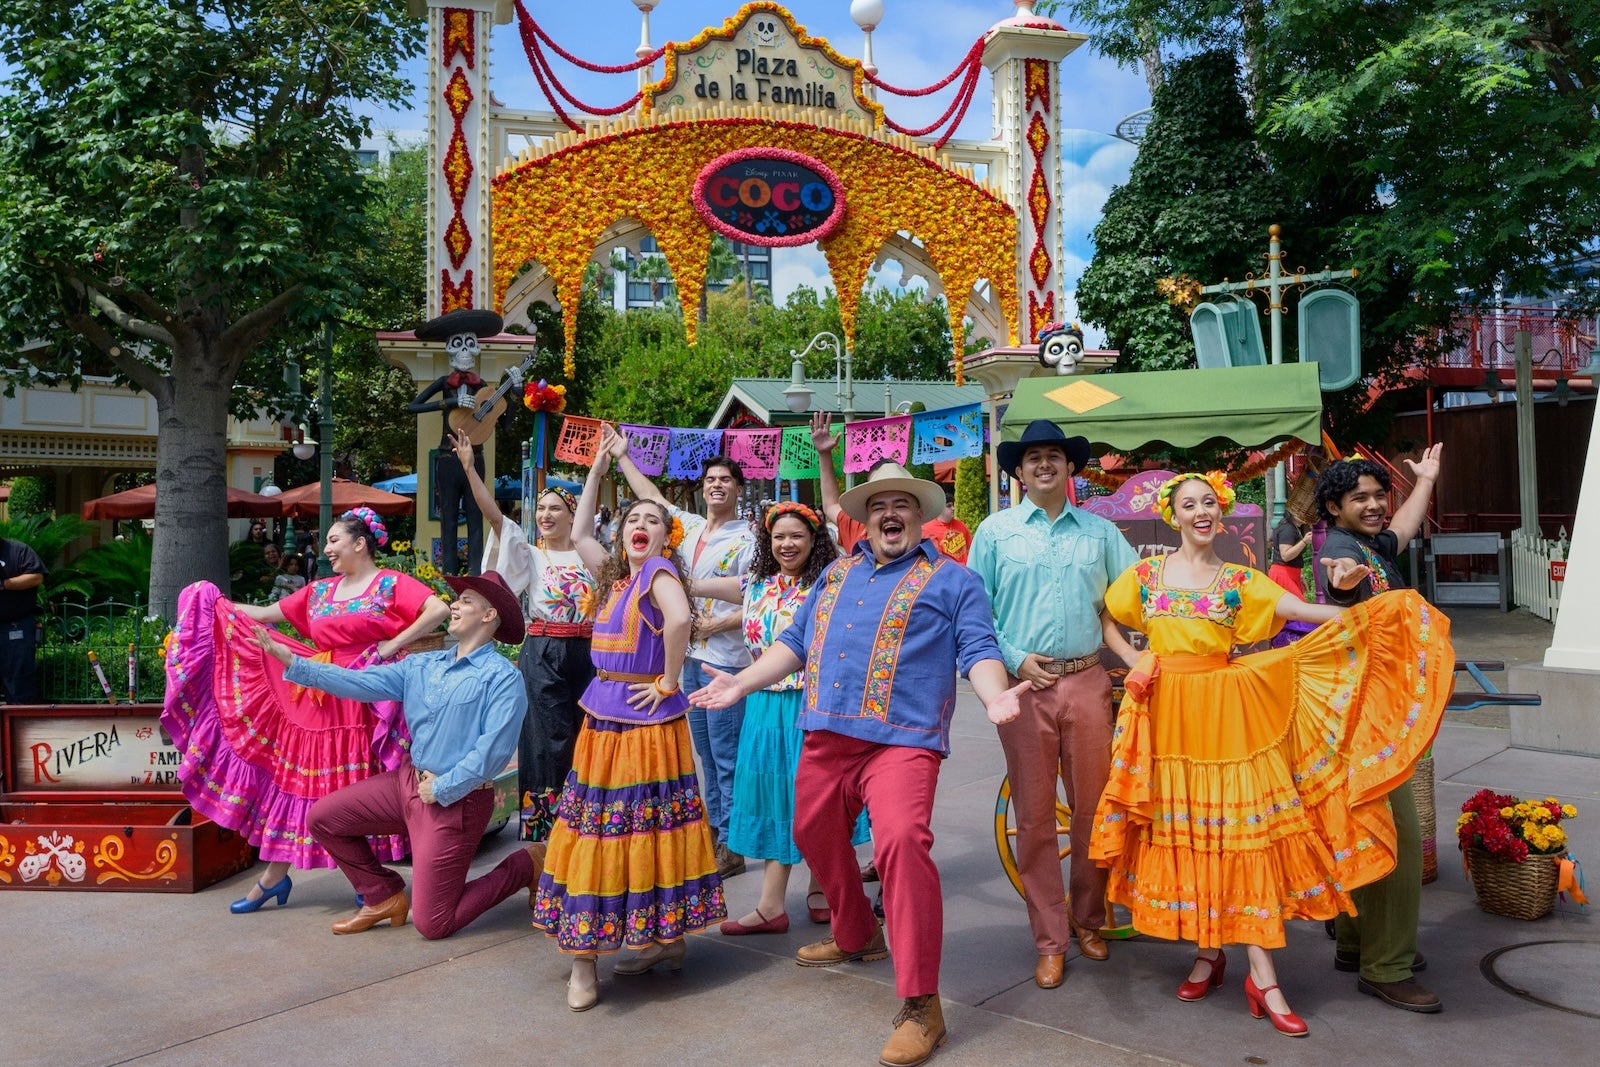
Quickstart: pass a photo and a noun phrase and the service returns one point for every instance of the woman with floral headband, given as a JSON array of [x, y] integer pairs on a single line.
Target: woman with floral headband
[[630, 861], [789, 557], [550, 577], [1249, 790], [258, 751]]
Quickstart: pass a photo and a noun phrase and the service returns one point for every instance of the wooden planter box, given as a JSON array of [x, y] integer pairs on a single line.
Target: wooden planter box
[[92, 802]]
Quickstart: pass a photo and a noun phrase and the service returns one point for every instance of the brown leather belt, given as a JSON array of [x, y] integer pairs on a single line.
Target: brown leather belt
[[619, 676], [1071, 666], [545, 628]]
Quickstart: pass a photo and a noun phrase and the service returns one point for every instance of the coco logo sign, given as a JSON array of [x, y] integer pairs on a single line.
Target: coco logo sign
[[769, 196]]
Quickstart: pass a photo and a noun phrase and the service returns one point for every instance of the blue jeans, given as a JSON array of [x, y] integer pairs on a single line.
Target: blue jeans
[[716, 742]]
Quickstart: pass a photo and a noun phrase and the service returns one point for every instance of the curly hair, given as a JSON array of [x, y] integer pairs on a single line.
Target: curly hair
[[1338, 479], [764, 564], [615, 569]]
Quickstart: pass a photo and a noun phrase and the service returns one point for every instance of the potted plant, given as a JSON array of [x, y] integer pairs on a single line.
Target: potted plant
[[1516, 853]]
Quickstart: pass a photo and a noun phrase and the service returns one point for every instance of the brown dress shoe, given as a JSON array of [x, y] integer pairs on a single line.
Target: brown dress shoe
[[729, 863], [918, 1030], [1050, 972], [1408, 995], [536, 851], [827, 953], [395, 910], [1091, 944]]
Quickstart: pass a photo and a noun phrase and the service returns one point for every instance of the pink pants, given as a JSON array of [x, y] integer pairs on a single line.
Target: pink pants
[[839, 776], [443, 842], [1065, 732]]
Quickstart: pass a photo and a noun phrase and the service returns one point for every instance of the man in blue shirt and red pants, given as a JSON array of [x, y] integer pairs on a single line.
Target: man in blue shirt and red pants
[[464, 707], [881, 637]]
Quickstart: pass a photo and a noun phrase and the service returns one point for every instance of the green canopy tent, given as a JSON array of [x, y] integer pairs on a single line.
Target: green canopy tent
[[1250, 406]]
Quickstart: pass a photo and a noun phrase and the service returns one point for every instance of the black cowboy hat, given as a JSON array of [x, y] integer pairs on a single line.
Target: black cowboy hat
[[477, 322], [493, 588], [1044, 432]]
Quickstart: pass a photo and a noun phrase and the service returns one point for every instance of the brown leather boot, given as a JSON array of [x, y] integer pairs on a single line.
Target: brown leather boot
[[827, 953], [918, 1030], [1090, 943], [536, 851], [394, 910]]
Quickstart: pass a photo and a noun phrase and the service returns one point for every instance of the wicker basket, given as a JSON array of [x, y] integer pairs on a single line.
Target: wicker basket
[[1302, 503], [427, 642], [1525, 890], [1427, 816]]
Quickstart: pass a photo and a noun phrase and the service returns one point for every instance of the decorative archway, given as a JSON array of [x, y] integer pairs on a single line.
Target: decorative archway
[[554, 207]]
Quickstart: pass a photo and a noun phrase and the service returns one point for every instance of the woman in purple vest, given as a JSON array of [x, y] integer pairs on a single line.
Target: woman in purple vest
[[633, 773]]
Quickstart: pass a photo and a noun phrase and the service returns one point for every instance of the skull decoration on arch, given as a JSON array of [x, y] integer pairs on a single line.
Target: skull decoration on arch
[[764, 31], [1061, 347]]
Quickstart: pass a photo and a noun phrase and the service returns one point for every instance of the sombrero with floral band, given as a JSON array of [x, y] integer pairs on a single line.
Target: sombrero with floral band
[[1216, 479]]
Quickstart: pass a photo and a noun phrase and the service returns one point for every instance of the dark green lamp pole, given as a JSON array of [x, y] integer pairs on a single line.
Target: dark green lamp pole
[[325, 441]]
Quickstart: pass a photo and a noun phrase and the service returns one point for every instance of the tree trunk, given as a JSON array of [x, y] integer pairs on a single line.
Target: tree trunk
[[1154, 75], [191, 534]]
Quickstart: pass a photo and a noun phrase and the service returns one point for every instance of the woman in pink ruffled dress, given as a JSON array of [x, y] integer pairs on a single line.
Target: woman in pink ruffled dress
[[258, 751]]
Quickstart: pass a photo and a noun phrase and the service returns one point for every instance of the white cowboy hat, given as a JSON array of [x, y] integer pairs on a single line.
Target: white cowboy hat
[[890, 477]]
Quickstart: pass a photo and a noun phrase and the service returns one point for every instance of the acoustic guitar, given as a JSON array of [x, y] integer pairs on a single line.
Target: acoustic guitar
[[477, 422]]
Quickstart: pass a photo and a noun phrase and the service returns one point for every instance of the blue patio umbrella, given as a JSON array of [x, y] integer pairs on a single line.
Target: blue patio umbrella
[[405, 484]]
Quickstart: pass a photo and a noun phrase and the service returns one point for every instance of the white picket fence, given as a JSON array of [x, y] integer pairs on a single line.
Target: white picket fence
[[1536, 563]]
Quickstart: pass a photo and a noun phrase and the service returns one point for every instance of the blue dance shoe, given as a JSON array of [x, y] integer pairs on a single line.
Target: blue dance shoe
[[245, 905]]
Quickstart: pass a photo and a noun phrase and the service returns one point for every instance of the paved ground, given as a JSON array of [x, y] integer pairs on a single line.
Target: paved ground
[[167, 980]]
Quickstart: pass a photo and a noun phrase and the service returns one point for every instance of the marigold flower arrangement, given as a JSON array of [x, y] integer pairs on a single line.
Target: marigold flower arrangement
[[1513, 829], [542, 396]]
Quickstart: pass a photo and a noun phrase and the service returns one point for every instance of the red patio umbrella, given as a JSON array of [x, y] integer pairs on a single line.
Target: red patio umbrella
[[140, 503], [305, 502]]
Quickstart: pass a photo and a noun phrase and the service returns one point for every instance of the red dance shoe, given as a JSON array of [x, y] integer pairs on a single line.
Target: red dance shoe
[[1198, 990], [1287, 1023]]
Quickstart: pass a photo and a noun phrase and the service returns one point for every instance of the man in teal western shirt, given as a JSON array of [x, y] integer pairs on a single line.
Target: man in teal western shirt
[[1046, 566], [464, 707]]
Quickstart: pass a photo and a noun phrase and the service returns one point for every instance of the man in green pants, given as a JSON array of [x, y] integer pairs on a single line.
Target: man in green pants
[[1380, 941]]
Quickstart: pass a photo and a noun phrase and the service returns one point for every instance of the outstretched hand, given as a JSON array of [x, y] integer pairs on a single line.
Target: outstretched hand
[[723, 691], [461, 445], [1008, 705], [264, 640], [607, 449], [823, 439], [1345, 574], [1428, 466]]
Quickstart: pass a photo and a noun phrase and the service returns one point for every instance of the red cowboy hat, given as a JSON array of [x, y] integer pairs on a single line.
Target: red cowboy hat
[[493, 588]]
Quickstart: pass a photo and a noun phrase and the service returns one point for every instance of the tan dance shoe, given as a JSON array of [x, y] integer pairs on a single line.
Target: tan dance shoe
[[583, 988], [395, 910], [670, 954], [1050, 971], [918, 1030], [827, 953]]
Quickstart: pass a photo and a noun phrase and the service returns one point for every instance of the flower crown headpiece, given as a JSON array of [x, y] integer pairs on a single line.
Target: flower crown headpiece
[[380, 532], [1216, 479], [568, 501], [795, 508]]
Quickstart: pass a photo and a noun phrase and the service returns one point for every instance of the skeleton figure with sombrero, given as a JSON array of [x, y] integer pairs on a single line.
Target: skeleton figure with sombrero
[[460, 330]]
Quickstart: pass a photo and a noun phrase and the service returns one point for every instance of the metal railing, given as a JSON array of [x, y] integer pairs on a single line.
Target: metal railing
[[126, 646]]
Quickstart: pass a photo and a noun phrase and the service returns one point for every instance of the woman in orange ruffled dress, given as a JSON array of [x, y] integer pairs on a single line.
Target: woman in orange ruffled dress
[[1248, 791]]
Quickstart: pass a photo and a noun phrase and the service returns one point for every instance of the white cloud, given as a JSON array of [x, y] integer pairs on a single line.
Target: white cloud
[[794, 267]]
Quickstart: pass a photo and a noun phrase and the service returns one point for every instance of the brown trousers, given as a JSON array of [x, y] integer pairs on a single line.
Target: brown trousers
[[1063, 732]]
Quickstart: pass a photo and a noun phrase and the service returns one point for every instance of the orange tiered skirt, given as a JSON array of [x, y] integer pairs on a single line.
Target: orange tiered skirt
[[1250, 791]]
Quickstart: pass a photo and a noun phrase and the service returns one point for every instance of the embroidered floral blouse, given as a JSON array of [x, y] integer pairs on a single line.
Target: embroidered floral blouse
[[1239, 607], [770, 605], [556, 585]]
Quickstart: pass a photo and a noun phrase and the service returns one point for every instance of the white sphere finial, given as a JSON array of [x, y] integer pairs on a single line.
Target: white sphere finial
[[868, 14], [646, 6], [1024, 8]]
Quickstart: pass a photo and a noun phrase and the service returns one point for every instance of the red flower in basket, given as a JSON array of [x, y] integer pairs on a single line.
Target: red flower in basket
[[541, 396], [1513, 829]]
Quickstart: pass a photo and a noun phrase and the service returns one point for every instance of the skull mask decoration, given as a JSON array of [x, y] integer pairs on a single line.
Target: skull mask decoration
[[462, 350], [764, 31], [1061, 347]]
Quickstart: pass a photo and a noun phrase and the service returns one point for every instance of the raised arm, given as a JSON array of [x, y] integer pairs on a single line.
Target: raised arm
[[824, 440], [1408, 520], [461, 444], [638, 483], [589, 549]]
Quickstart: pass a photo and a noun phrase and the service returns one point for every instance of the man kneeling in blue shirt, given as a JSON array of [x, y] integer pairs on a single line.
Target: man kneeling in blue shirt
[[464, 707]]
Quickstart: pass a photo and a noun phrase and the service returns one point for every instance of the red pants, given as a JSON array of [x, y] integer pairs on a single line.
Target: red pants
[[443, 842], [839, 776], [1063, 731]]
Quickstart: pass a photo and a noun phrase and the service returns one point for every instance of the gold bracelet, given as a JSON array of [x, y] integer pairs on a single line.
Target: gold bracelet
[[660, 691]]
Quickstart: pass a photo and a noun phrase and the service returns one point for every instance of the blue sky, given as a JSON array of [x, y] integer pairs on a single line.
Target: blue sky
[[917, 44]]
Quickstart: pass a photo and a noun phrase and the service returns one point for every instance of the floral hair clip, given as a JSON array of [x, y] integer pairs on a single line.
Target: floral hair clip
[[380, 532], [568, 501], [1216, 479], [674, 536]]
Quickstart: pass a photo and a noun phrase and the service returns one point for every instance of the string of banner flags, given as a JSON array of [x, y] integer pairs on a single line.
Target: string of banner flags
[[784, 452]]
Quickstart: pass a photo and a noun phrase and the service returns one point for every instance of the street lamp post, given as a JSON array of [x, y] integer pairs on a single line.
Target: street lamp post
[[325, 441], [798, 395]]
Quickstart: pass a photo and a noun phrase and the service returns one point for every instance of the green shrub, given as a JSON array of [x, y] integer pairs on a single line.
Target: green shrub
[[30, 497], [972, 491]]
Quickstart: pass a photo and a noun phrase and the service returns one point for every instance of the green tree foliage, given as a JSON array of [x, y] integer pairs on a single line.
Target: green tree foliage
[[972, 491], [177, 186], [30, 496], [1196, 203]]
